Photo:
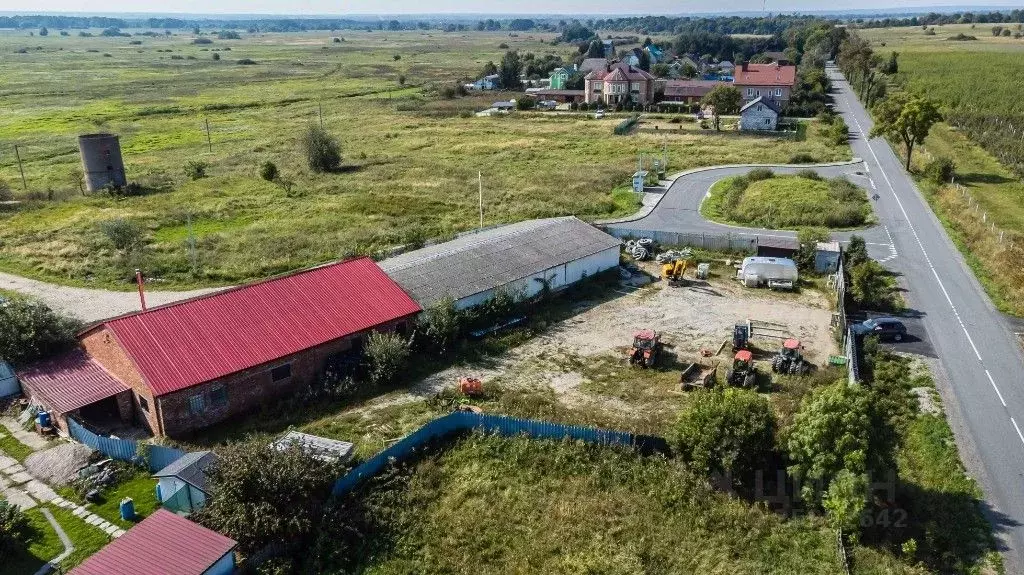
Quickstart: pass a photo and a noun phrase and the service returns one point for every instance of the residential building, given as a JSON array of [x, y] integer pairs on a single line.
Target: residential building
[[760, 114], [619, 83], [689, 91], [656, 54], [164, 543], [632, 57], [491, 82], [184, 485], [559, 78], [562, 96], [183, 366], [771, 81], [726, 68], [524, 258]]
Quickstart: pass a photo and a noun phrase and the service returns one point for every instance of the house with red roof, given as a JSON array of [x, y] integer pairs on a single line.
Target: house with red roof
[[619, 83], [187, 365], [161, 544], [773, 81]]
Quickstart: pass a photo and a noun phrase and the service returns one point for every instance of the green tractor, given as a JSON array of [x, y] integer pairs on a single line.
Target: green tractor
[[743, 372], [790, 360]]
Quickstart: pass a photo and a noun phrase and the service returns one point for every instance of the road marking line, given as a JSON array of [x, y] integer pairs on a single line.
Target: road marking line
[[873, 186], [913, 230], [1019, 434], [993, 382]]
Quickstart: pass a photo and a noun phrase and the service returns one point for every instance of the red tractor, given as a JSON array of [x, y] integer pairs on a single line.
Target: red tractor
[[790, 360], [646, 344], [743, 373]]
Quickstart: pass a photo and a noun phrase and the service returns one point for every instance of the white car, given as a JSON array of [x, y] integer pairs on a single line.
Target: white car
[[598, 114]]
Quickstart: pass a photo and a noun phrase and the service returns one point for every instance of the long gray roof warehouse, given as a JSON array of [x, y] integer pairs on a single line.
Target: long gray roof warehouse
[[518, 257]]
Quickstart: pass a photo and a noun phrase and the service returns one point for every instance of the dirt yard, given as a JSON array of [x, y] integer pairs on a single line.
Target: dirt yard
[[700, 316]]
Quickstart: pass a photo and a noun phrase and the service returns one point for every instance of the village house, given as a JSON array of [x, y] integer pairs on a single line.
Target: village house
[[559, 78], [590, 64], [689, 91], [760, 114], [619, 83], [771, 81], [180, 367]]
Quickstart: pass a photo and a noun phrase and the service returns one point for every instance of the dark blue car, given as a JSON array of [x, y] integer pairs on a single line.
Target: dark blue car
[[883, 327]]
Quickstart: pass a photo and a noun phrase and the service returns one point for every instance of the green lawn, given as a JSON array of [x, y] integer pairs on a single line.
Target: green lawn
[[11, 446], [141, 487], [410, 159], [44, 545], [787, 202]]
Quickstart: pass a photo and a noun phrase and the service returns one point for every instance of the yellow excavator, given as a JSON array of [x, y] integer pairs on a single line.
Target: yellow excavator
[[673, 271]]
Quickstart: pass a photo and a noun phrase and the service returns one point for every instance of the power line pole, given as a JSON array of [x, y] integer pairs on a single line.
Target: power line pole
[[24, 184], [321, 106], [209, 142], [480, 181]]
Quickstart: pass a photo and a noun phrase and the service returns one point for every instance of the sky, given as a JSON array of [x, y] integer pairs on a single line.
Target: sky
[[346, 7]]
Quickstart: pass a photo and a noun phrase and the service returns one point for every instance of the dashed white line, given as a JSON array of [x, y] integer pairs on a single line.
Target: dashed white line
[[1019, 434], [993, 382]]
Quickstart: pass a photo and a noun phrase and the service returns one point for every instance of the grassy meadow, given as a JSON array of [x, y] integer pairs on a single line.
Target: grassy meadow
[[980, 77], [410, 159], [787, 202]]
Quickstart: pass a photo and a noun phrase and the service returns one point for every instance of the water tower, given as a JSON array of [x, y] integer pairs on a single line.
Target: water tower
[[101, 160]]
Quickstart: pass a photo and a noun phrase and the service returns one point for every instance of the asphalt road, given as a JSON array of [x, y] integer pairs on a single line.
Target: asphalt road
[[972, 340], [950, 317]]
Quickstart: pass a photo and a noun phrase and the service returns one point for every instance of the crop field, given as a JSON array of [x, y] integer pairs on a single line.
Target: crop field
[[977, 82], [410, 158], [788, 202]]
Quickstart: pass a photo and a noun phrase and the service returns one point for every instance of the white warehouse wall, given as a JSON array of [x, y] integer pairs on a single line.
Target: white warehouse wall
[[559, 276]]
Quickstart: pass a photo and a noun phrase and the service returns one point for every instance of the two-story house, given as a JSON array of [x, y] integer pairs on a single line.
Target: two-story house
[[769, 81], [619, 83], [559, 78]]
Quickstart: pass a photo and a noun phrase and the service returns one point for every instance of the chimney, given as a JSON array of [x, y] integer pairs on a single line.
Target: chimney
[[743, 67], [142, 292]]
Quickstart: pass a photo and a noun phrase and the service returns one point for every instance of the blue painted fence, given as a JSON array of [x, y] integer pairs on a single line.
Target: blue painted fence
[[123, 449], [507, 426]]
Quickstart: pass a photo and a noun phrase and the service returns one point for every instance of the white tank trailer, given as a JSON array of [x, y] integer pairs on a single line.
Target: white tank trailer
[[757, 271], [101, 161]]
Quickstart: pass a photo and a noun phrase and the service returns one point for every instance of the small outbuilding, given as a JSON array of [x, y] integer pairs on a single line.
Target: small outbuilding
[[826, 257], [164, 543], [184, 485], [760, 114], [777, 247], [522, 258], [8, 381]]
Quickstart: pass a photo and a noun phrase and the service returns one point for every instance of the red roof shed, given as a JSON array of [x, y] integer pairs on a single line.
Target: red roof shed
[[161, 544], [69, 381], [202, 339]]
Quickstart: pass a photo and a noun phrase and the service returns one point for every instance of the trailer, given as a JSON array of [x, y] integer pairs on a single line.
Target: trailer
[[756, 271]]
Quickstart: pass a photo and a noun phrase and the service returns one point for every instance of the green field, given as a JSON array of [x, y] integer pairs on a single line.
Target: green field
[[787, 202], [410, 159], [977, 83]]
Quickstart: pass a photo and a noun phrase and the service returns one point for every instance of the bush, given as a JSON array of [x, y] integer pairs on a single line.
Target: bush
[[262, 495], [940, 170], [32, 331], [808, 239], [758, 174], [440, 325], [801, 158], [13, 528], [447, 92], [228, 35], [386, 354], [808, 174], [124, 234], [195, 169], [202, 41], [526, 103], [856, 251], [869, 286], [216, 56], [246, 62], [322, 151], [727, 431], [6, 194], [268, 171]]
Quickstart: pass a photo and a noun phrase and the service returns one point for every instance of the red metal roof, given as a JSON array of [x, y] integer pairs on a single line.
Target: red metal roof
[[691, 88], [619, 71], [190, 342], [70, 381], [160, 544], [764, 75]]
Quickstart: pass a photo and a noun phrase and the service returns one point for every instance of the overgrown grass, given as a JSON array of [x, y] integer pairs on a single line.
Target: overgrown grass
[[495, 505], [410, 160], [787, 202]]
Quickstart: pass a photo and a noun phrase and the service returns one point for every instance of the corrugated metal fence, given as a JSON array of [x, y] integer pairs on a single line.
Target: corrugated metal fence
[[508, 426], [853, 357], [124, 449], [718, 242]]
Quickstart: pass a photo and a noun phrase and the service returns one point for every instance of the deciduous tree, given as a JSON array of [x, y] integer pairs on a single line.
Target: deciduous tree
[[722, 100], [323, 153], [726, 431], [905, 117], [32, 331]]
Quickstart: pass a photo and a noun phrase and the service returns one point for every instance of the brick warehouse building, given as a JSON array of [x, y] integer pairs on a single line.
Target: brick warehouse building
[[187, 365]]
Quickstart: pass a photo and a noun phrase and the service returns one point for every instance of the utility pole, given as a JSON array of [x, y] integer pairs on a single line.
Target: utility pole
[[209, 142], [24, 184], [191, 242], [320, 105], [480, 181]]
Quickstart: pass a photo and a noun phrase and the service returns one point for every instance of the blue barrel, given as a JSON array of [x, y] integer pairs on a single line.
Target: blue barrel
[[43, 419], [128, 509]]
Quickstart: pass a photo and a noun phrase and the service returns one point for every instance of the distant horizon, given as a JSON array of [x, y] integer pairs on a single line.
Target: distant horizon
[[370, 9]]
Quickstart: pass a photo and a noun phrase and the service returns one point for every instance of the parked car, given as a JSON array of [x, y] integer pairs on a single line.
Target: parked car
[[883, 327], [599, 114]]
